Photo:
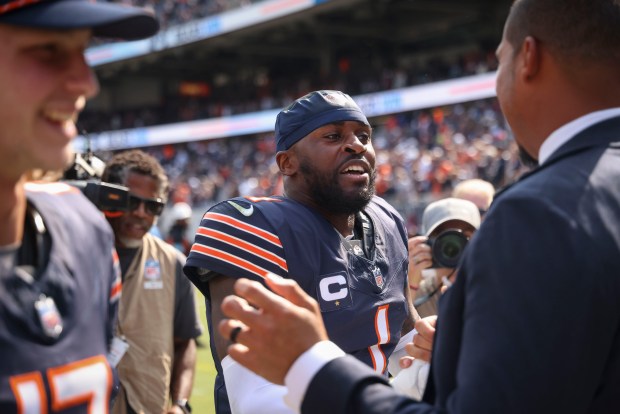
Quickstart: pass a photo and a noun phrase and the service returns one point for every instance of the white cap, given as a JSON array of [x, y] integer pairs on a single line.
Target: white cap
[[181, 211], [448, 209]]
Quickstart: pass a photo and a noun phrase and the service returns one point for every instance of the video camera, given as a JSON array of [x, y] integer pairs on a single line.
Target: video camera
[[85, 173], [447, 248]]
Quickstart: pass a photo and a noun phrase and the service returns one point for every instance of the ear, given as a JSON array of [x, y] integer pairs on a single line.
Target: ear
[[287, 162], [531, 55]]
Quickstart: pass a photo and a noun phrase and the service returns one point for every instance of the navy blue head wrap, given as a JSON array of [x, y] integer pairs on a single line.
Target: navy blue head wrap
[[313, 111]]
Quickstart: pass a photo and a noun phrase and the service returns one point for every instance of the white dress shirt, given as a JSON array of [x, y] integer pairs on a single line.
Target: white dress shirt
[[563, 134]]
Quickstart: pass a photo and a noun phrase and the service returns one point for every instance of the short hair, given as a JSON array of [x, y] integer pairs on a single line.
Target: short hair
[[478, 191], [120, 165], [474, 184], [586, 31]]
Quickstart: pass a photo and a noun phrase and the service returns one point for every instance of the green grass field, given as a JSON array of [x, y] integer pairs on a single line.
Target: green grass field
[[202, 395]]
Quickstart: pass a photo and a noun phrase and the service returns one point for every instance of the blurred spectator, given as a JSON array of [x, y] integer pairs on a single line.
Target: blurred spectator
[[265, 89], [477, 191], [415, 152], [173, 12], [177, 235]]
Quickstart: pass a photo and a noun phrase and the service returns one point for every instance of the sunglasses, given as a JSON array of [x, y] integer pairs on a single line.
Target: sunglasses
[[152, 206]]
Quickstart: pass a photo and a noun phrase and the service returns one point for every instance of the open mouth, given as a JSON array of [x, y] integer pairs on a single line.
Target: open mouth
[[354, 170], [62, 121], [64, 115], [60, 117]]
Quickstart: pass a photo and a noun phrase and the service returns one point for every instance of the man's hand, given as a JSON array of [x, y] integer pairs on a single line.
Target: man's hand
[[275, 330], [422, 345]]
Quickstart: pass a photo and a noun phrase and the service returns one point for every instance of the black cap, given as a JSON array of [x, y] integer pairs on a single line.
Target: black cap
[[105, 19]]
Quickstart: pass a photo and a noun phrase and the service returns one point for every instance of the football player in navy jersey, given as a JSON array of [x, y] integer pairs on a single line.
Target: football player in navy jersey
[[59, 279], [344, 245]]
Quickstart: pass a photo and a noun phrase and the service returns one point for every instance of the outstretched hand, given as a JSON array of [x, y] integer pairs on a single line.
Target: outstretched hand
[[275, 327]]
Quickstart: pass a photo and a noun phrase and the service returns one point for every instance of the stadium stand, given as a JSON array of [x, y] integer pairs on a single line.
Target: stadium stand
[[358, 46]]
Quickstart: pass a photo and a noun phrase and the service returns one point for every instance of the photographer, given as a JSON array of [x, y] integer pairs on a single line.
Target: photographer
[[428, 273], [448, 225]]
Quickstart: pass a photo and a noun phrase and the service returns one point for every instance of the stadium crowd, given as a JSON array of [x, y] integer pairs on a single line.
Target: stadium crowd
[[172, 12], [264, 91], [421, 155]]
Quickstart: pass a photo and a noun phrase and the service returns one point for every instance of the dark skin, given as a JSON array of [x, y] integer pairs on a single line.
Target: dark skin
[[133, 225], [340, 153]]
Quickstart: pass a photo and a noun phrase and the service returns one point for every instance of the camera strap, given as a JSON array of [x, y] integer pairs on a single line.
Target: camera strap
[[364, 227], [34, 251], [361, 243]]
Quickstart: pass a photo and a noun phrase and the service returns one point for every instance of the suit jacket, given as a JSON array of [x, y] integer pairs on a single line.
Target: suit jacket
[[532, 324]]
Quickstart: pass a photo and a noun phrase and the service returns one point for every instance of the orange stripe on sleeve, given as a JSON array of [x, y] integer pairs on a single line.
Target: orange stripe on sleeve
[[229, 258], [241, 244], [272, 238]]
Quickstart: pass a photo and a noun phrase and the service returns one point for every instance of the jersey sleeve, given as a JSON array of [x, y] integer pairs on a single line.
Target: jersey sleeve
[[235, 239]]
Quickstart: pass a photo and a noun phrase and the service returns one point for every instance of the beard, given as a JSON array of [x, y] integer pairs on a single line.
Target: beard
[[326, 192], [129, 243], [526, 159]]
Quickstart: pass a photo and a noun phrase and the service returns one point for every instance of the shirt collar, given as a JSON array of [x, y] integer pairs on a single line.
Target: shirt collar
[[563, 134]]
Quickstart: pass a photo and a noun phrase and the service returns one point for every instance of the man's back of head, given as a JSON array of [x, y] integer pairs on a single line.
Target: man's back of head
[[479, 192], [558, 61]]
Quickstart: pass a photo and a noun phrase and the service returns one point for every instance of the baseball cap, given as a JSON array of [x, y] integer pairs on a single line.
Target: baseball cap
[[312, 111], [105, 19], [181, 211], [448, 209]]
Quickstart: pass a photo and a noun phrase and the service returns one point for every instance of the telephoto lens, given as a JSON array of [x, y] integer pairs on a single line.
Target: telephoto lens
[[447, 248]]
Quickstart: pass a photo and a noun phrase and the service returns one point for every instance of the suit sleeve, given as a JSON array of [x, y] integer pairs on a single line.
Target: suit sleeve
[[347, 386]]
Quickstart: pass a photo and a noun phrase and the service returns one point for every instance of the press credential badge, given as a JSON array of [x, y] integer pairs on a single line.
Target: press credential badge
[[152, 275]]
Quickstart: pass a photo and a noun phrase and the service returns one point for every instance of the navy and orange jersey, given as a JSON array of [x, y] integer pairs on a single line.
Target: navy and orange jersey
[[362, 301], [67, 373]]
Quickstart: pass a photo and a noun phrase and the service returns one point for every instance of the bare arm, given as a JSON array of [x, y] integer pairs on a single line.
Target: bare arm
[[220, 286], [183, 368], [409, 323]]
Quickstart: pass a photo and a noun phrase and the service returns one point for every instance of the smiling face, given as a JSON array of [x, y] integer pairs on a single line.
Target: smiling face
[[45, 83], [337, 166], [130, 228]]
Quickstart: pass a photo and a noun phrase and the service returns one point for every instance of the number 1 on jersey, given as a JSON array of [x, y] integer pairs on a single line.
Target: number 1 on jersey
[[382, 327]]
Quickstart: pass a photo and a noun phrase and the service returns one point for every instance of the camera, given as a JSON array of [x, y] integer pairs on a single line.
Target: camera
[[85, 173], [447, 248]]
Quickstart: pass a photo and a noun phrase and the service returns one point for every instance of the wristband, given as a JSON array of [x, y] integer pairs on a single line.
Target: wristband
[[184, 405]]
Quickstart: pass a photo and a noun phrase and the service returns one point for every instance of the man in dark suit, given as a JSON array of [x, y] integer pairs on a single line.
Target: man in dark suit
[[532, 324]]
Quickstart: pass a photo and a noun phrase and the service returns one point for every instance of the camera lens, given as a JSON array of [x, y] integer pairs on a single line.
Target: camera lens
[[448, 247]]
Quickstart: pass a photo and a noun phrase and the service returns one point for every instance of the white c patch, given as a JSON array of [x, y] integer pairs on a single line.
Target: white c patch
[[341, 293]]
